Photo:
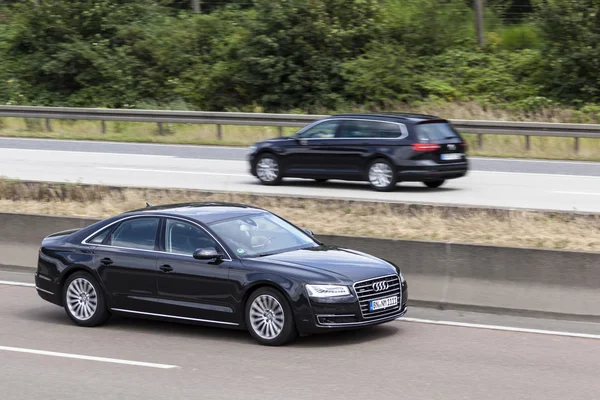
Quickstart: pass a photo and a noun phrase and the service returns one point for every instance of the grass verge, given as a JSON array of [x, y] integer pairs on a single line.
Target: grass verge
[[346, 217]]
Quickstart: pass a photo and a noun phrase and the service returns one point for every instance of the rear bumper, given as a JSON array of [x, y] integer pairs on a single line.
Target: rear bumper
[[47, 289], [434, 171]]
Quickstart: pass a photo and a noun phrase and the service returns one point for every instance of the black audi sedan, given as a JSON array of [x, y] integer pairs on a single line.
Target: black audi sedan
[[219, 264], [382, 149]]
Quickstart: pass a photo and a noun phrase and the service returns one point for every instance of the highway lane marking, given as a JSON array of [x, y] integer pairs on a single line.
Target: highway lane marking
[[578, 193], [91, 153], [11, 283], [500, 328], [168, 171], [535, 174], [87, 358]]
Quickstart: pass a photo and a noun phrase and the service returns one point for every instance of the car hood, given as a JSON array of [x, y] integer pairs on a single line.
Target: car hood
[[338, 262]]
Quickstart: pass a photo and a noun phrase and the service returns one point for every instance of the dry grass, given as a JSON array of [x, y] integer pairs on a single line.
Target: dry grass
[[382, 220]]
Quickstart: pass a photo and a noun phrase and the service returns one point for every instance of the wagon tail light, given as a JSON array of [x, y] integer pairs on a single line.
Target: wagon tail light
[[425, 146]]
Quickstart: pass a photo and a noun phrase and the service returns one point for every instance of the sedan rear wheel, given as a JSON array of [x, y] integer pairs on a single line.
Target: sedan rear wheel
[[269, 318], [382, 176], [84, 301]]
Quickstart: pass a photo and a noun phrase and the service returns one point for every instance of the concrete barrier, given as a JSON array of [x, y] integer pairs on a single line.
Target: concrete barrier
[[522, 280]]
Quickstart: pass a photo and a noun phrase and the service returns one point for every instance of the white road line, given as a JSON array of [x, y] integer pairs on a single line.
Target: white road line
[[168, 171], [88, 153], [11, 283], [87, 358], [578, 193], [500, 328], [531, 160], [535, 174]]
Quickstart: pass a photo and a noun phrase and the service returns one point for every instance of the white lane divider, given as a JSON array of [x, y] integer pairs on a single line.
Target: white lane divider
[[170, 171], [88, 358], [500, 328], [10, 283]]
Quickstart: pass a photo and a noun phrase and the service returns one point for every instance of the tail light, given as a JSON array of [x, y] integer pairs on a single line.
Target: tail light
[[425, 146], [465, 145]]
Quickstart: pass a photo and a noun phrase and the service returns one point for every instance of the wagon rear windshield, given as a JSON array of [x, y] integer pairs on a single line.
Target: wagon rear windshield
[[435, 132]]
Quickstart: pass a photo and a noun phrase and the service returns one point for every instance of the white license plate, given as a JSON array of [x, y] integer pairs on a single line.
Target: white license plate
[[380, 304], [451, 156]]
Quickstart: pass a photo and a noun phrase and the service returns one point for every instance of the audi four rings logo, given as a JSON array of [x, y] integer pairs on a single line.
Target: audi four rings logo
[[451, 147], [379, 286]]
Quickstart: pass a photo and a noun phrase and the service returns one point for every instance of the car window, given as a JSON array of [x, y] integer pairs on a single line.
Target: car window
[[99, 237], [137, 233], [435, 131], [325, 129], [185, 238], [369, 129], [261, 234]]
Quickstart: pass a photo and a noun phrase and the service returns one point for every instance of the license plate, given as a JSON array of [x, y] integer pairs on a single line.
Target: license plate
[[451, 156], [380, 304]]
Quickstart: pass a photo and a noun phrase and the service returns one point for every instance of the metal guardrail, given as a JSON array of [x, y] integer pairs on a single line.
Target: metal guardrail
[[160, 117]]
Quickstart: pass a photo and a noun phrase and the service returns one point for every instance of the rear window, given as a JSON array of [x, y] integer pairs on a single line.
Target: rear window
[[435, 131]]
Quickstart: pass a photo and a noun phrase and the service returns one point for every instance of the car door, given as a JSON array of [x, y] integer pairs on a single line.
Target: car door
[[356, 141], [189, 288], [305, 157], [126, 260]]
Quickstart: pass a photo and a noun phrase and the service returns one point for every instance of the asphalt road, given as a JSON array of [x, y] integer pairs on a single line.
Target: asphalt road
[[402, 359], [549, 185]]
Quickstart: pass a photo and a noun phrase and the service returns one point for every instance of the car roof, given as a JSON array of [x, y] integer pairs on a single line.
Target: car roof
[[393, 116], [204, 212]]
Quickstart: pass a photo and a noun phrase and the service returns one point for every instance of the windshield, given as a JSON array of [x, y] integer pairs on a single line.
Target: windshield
[[261, 234], [435, 132]]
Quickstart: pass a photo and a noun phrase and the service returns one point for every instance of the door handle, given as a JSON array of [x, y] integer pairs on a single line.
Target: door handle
[[106, 261], [166, 268]]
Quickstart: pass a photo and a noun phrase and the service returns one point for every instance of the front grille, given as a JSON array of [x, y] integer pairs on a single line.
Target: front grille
[[366, 293]]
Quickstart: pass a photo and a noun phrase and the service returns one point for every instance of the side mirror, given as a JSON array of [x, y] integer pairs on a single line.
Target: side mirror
[[208, 253], [309, 232]]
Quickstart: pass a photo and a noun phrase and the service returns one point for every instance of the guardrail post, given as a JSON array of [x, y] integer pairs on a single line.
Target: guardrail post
[[527, 142], [103, 126], [219, 132], [48, 125], [160, 129], [576, 145], [480, 141], [280, 130]]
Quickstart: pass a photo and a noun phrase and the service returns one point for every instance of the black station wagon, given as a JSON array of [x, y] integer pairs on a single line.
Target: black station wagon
[[382, 149]]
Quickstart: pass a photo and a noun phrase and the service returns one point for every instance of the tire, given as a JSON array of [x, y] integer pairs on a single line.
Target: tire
[[434, 184], [281, 318], [268, 169], [83, 283], [381, 175]]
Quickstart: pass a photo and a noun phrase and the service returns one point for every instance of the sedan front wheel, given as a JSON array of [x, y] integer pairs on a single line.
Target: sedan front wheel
[[269, 318]]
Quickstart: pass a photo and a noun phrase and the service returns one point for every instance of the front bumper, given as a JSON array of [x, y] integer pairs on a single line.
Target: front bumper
[[342, 316]]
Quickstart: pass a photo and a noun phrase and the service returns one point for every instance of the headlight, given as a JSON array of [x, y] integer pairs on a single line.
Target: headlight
[[327, 290], [401, 277], [251, 149]]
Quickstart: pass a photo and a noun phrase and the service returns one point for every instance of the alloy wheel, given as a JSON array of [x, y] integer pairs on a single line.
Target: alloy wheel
[[267, 317], [82, 299], [380, 175], [267, 169]]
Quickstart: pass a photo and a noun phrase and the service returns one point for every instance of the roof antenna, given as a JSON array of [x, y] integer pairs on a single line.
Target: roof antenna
[[148, 205]]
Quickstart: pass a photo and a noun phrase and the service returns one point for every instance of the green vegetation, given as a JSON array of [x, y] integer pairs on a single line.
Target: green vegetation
[[316, 56]]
